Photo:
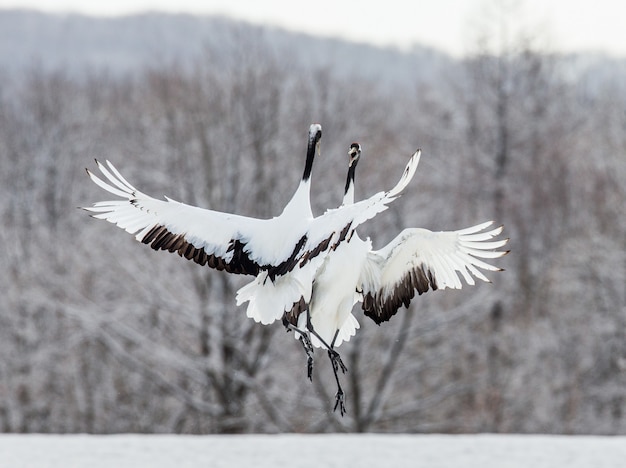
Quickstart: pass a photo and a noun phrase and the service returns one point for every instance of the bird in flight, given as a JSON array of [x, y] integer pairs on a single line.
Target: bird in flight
[[385, 280], [308, 271]]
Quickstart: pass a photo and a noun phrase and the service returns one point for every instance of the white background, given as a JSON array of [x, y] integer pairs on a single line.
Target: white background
[[563, 25], [328, 451]]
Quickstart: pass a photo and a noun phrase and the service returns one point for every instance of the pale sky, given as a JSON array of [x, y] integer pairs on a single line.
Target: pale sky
[[564, 25]]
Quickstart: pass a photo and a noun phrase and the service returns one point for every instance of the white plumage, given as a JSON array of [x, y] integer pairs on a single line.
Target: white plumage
[[385, 279], [419, 260], [309, 271], [237, 244], [224, 241]]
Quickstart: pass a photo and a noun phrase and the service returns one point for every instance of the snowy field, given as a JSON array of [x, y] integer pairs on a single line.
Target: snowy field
[[327, 451]]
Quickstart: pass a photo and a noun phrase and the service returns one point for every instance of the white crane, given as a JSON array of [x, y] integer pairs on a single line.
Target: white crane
[[287, 296], [271, 248], [284, 252], [224, 241], [386, 279]]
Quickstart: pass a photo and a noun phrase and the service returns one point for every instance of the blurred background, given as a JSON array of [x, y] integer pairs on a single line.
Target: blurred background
[[519, 108]]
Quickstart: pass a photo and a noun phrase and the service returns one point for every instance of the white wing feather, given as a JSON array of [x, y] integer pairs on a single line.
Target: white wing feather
[[139, 213], [419, 259], [345, 219]]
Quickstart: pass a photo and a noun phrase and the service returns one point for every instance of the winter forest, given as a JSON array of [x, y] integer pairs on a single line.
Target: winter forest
[[101, 334]]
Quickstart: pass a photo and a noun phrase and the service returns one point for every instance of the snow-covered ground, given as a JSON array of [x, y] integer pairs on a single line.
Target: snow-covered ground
[[320, 451]]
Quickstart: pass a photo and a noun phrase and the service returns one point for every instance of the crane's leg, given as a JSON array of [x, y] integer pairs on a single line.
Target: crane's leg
[[306, 344], [336, 362], [334, 355], [308, 349], [339, 396]]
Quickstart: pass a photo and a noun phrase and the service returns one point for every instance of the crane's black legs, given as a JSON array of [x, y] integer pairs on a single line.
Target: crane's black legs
[[308, 349], [337, 363], [307, 345], [334, 356]]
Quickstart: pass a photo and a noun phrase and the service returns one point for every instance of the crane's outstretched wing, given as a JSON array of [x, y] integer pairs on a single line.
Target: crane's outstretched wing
[[419, 260], [207, 237]]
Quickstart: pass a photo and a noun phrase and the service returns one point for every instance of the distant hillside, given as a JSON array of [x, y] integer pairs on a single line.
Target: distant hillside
[[125, 44]]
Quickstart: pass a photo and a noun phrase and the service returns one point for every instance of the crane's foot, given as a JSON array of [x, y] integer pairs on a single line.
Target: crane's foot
[[337, 363], [335, 358], [308, 349], [309, 368], [305, 340], [339, 402]]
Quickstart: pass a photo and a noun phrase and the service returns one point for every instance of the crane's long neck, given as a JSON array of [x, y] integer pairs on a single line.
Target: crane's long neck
[[300, 204], [310, 156], [348, 194]]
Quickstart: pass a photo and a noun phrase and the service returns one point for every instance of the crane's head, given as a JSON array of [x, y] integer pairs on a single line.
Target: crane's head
[[354, 153], [315, 134]]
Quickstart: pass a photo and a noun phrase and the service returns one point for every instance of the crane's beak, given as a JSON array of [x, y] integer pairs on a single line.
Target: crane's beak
[[354, 153]]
